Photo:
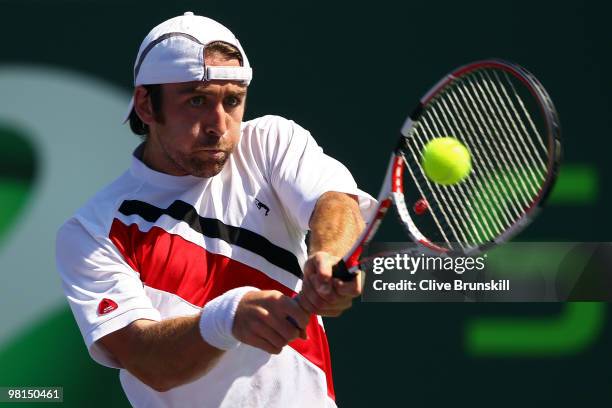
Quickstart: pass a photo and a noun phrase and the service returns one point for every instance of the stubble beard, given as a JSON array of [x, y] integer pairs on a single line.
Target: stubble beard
[[206, 168], [196, 166], [193, 164]]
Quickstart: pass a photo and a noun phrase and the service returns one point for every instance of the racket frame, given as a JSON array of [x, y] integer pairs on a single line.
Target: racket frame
[[392, 191]]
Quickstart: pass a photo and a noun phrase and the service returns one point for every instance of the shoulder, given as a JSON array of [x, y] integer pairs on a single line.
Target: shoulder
[[274, 133], [96, 215], [271, 125]]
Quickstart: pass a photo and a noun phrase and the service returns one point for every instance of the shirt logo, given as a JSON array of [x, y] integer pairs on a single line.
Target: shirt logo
[[106, 306], [261, 205]]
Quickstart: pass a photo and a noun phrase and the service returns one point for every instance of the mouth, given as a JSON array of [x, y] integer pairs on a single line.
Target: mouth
[[212, 153]]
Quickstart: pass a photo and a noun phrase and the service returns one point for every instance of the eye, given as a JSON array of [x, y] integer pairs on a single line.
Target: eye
[[232, 101], [196, 101]]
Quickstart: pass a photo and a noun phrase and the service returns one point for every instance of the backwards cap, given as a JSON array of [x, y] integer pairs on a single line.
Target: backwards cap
[[174, 52]]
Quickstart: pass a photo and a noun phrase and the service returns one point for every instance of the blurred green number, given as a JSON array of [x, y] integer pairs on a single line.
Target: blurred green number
[[579, 324], [573, 331]]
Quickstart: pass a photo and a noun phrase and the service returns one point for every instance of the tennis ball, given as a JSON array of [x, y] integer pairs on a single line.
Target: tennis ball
[[446, 160]]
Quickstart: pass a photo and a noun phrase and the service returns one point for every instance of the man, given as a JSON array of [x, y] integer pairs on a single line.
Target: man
[[182, 272]]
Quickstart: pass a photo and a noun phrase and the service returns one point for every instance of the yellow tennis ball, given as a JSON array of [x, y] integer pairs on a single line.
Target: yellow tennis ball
[[446, 160]]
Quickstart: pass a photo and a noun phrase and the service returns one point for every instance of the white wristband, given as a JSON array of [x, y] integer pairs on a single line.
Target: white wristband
[[217, 318]]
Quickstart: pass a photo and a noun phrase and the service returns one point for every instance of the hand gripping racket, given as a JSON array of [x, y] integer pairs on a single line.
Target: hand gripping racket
[[506, 119]]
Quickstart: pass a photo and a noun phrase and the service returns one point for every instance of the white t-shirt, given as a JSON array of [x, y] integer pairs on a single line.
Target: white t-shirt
[[155, 246]]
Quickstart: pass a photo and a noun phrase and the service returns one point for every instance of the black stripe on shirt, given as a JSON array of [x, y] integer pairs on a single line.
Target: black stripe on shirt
[[214, 228]]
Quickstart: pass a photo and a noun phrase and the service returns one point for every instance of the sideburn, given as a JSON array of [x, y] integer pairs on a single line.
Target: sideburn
[[155, 96]]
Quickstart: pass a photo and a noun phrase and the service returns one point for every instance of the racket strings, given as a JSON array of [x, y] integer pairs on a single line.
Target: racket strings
[[484, 231], [479, 225], [490, 221], [439, 202], [455, 191], [433, 211], [524, 136], [484, 110], [524, 111], [482, 168], [491, 135], [518, 159], [491, 161]]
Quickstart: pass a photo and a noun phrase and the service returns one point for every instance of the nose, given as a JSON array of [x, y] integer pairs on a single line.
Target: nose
[[214, 121]]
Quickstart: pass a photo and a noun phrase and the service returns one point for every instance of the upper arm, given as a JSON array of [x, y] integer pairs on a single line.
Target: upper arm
[[121, 344], [104, 293]]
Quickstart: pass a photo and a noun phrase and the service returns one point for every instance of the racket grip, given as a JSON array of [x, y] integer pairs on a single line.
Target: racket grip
[[293, 322], [341, 272], [291, 319]]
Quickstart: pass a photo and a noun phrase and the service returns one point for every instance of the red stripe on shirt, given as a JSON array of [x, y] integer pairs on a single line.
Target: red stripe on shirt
[[170, 263]]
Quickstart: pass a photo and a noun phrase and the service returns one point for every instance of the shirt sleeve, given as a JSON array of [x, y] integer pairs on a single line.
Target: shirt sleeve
[[104, 293], [301, 172]]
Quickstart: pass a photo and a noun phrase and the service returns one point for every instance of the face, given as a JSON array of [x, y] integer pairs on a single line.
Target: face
[[199, 126]]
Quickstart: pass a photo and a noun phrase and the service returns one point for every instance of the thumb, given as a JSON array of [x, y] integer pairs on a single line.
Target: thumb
[[321, 275]]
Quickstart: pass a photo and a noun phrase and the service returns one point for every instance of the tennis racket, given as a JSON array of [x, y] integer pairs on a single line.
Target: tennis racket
[[508, 122]]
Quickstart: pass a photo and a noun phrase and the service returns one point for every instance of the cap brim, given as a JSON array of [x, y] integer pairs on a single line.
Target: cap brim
[[129, 111]]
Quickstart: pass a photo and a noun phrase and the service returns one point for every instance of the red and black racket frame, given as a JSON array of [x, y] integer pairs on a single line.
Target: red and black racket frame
[[392, 191]]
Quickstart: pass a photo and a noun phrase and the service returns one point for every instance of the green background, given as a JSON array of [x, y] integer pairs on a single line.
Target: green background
[[350, 72]]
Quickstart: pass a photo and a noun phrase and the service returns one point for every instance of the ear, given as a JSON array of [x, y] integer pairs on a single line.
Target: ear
[[142, 105]]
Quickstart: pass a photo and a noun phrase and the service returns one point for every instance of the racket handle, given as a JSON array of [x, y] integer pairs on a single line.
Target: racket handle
[[291, 319], [341, 272], [293, 322]]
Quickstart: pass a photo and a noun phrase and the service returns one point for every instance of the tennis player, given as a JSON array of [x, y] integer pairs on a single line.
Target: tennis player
[[182, 272]]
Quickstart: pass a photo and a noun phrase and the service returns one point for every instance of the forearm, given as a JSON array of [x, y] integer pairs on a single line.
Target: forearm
[[170, 353], [335, 224]]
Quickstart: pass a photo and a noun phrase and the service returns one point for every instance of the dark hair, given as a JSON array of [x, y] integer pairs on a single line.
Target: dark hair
[[155, 91], [136, 124], [225, 49]]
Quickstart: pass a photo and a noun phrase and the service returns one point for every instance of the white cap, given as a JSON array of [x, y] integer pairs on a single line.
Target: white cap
[[174, 52]]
